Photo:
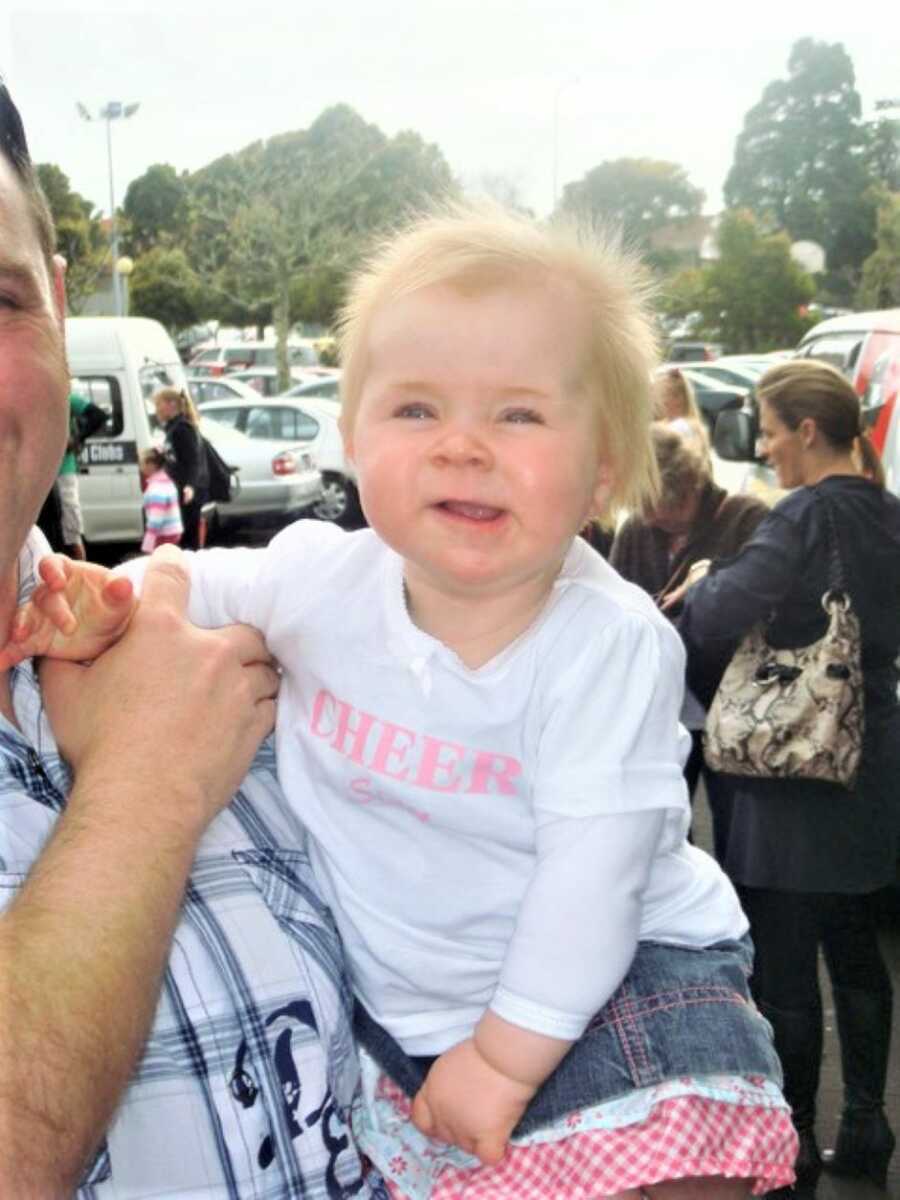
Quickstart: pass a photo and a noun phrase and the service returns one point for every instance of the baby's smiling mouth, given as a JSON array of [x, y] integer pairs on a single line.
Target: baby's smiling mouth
[[469, 510]]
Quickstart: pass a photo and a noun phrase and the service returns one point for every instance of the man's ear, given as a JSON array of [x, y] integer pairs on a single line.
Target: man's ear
[[59, 287]]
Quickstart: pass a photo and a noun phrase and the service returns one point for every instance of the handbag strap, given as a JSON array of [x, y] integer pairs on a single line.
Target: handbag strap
[[837, 581]]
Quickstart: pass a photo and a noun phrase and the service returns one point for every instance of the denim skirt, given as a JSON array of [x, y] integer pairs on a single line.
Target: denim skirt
[[678, 1012]]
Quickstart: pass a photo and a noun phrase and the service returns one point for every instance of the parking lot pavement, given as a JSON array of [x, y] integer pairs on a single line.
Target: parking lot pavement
[[830, 1188]]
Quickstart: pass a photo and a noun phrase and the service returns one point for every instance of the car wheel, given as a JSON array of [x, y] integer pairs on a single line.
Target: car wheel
[[339, 500]]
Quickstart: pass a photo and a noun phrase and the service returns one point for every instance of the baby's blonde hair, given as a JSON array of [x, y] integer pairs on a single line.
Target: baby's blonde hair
[[477, 247]]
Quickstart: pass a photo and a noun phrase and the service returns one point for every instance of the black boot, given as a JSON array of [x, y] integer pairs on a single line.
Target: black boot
[[798, 1040], [865, 1142]]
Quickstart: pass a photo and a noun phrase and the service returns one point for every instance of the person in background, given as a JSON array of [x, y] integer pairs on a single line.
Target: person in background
[[185, 458], [692, 520], [85, 418], [674, 402], [162, 514], [807, 856]]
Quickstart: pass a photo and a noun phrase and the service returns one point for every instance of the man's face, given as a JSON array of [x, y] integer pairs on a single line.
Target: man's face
[[33, 373]]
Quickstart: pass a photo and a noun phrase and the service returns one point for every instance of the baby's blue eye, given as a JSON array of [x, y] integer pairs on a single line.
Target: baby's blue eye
[[413, 412], [523, 416]]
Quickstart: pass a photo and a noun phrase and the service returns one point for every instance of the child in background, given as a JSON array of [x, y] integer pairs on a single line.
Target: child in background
[[478, 723], [162, 514], [675, 403]]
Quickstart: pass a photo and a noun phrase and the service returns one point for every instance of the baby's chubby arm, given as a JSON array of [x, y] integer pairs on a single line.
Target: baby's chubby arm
[[475, 1093], [78, 610]]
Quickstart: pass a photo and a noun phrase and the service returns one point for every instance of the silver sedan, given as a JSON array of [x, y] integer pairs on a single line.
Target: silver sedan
[[274, 480]]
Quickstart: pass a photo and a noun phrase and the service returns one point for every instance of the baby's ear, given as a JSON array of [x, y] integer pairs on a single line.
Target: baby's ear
[[604, 482]]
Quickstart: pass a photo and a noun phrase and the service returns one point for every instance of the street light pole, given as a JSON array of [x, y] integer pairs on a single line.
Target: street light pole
[[111, 111]]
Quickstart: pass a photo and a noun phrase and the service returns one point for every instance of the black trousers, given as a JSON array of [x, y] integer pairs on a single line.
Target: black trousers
[[190, 520], [787, 929]]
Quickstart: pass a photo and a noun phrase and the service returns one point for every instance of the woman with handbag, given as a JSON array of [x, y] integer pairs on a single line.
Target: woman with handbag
[[805, 851], [185, 458]]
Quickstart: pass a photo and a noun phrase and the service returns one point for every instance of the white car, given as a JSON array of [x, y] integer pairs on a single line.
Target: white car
[[313, 422], [273, 480]]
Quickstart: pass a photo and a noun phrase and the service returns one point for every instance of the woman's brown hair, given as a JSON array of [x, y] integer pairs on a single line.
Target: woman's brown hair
[[804, 388]]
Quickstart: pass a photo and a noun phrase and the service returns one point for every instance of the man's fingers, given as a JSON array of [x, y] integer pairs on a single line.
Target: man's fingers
[[247, 642]]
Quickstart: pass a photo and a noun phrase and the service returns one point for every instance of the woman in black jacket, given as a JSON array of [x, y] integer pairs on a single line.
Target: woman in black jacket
[[185, 458], [807, 855]]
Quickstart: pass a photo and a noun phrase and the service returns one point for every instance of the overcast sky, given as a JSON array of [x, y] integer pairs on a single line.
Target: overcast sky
[[504, 87]]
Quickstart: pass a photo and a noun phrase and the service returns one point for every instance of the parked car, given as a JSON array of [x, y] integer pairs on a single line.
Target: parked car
[[314, 422], [219, 387], [866, 348], [274, 480], [236, 356], [264, 380], [327, 388], [731, 373], [680, 351]]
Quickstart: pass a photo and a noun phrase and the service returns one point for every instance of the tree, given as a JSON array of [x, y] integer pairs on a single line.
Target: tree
[[301, 205], [754, 295], [638, 194], [79, 235], [164, 286], [801, 160], [155, 209], [884, 152], [880, 286]]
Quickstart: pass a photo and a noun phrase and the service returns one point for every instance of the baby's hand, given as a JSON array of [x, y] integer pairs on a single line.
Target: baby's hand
[[76, 612], [467, 1102]]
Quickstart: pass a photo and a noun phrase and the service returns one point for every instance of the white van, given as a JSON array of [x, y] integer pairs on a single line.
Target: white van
[[118, 363]]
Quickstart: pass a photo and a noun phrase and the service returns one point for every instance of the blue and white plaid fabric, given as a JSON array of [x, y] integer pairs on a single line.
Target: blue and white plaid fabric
[[246, 1081]]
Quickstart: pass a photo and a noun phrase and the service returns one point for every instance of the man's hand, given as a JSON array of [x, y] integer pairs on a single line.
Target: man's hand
[[187, 707], [467, 1102], [75, 613]]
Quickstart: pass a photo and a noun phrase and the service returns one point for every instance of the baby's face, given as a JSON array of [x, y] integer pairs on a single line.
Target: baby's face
[[478, 456]]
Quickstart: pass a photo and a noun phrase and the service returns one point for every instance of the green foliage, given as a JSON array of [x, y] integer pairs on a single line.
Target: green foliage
[[279, 224], [638, 194], [164, 286], [682, 293], [79, 235], [802, 159], [880, 286], [156, 209], [884, 153], [754, 296]]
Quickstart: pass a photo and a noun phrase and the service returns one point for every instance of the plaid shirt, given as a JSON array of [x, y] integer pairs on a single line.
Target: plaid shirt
[[248, 1073]]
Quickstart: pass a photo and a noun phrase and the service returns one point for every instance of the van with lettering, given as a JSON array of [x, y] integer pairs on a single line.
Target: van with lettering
[[118, 363]]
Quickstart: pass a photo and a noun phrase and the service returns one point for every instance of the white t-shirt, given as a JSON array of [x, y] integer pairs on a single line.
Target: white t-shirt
[[495, 837]]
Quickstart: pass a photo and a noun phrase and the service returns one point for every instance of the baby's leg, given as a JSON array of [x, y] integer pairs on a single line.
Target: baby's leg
[[715, 1187]]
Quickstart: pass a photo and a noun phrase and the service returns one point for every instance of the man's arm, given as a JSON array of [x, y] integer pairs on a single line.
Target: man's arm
[[161, 730]]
